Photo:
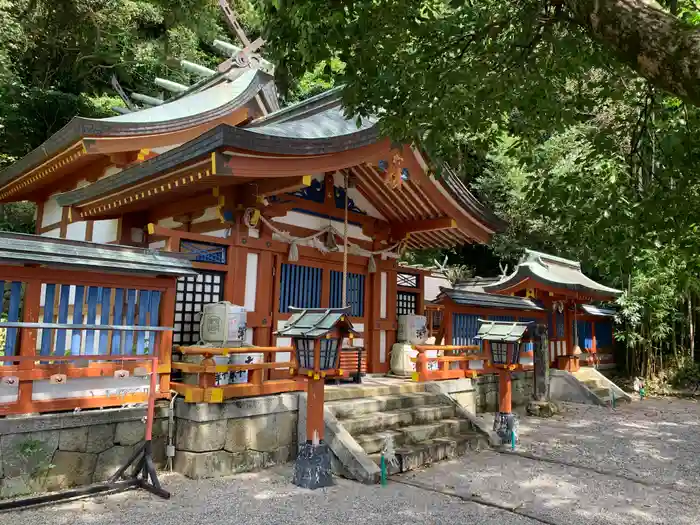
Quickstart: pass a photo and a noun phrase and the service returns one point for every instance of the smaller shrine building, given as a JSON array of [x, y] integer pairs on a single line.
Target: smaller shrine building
[[544, 289]]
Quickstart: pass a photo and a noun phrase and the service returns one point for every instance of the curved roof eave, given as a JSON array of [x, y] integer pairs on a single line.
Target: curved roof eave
[[467, 200], [223, 136], [529, 271], [242, 91], [488, 300]]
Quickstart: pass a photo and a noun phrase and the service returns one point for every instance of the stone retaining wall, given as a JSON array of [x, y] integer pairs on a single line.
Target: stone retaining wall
[[48, 452], [55, 451], [240, 435], [487, 391]]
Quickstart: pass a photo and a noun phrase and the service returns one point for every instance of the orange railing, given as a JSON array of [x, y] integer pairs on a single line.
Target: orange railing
[[206, 389], [444, 369]]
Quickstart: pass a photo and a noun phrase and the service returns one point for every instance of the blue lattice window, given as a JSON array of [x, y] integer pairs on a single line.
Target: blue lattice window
[[356, 292], [505, 318], [205, 252], [584, 330], [300, 287], [464, 329], [603, 334]]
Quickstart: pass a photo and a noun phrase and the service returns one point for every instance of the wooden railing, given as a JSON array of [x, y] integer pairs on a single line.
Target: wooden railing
[[466, 356], [49, 382], [206, 389], [52, 313], [459, 354]]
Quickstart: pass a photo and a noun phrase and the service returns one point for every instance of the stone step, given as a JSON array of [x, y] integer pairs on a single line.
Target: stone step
[[390, 420], [602, 393], [336, 393], [346, 408], [415, 456], [413, 434]]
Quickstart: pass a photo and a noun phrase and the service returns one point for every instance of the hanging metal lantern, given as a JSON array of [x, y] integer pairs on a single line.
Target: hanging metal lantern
[[504, 339], [318, 330], [304, 351]]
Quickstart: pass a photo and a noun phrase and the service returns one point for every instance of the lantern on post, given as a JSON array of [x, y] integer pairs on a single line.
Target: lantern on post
[[505, 341], [317, 335]]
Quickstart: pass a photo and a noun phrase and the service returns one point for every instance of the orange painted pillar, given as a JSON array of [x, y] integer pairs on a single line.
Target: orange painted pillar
[[207, 380], [314, 408], [314, 398], [27, 341], [422, 366], [505, 392]]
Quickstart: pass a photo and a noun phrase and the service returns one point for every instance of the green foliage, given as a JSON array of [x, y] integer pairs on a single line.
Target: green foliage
[[56, 60], [32, 458], [442, 69], [583, 158], [321, 78], [17, 217]]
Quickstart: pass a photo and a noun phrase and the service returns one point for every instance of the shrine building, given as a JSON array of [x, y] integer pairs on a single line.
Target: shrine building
[[262, 198]]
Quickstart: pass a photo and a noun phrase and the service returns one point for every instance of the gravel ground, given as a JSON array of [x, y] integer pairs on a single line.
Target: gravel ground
[[656, 440], [268, 498], [633, 465]]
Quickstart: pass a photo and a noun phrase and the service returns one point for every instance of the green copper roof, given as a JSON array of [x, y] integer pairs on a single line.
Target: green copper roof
[[488, 300], [184, 112], [552, 271], [501, 331], [18, 248], [312, 323], [184, 107], [329, 123]]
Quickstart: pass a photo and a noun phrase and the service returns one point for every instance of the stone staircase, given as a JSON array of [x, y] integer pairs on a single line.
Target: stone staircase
[[424, 426], [601, 386]]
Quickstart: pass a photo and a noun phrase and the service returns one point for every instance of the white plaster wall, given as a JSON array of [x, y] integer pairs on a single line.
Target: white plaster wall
[[383, 295], [208, 215], [316, 223], [169, 223], [105, 231], [382, 346], [432, 284], [223, 234], [281, 357], [157, 245], [89, 387], [251, 281], [52, 212], [163, 149], [76, 231], [56, 232]]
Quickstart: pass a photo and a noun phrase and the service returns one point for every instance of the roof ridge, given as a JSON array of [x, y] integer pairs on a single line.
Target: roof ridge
[[331, 97]]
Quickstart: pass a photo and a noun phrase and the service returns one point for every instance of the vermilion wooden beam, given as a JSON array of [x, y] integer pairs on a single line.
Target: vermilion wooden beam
[[400, 230], [292, 201], [191, 204], [268, 187], [466, 222], [159, 232], [122, 159]]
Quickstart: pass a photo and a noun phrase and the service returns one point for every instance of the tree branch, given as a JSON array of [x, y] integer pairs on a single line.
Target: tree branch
[[659, 46]]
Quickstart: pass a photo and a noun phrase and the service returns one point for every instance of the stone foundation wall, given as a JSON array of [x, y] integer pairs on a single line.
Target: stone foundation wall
[[487, 391], [48, 452], [240, 435]]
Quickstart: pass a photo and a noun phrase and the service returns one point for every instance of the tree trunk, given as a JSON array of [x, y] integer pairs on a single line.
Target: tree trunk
[[659, 46]]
